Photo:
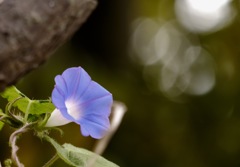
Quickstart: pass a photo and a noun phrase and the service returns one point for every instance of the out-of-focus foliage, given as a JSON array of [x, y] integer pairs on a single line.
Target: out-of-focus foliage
[[1, 125], [177, 72]]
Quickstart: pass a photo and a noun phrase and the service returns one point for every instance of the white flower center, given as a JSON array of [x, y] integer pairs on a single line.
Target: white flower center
[[73, 109], [57, 119]]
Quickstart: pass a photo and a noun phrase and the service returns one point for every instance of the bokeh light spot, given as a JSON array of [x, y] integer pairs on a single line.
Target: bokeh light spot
[[204, 16]]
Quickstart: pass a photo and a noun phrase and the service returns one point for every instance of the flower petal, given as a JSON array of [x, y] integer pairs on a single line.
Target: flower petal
[[61, 84], [100, 106], [95, 126], [94, 91], [57, 98], [60, 103], [83, 101], [77, 81]]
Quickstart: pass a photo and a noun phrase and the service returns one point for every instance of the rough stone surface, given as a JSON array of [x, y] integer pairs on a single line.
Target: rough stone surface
[[30, 30]]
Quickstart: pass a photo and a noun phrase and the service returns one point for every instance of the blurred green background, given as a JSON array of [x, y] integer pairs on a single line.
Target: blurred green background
[[173, 63]]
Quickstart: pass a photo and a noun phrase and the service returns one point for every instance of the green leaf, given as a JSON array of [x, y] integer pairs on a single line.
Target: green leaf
[[11, 93], [23, 103], [79, 157], [88, 156], [39, 107]]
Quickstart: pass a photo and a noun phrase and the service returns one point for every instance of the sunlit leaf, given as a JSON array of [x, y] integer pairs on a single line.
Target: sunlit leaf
[[40, 107], [11, 93], [23, 103], [79, 157]]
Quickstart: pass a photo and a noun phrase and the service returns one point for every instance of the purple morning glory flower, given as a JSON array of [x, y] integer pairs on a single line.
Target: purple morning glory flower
[[79, 99]]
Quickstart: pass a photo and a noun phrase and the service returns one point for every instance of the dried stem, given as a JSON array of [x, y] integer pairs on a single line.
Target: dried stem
[[118, 112], [12, 141]]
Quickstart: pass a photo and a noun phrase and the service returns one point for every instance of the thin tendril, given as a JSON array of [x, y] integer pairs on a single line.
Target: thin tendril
[[12, 141], [2, 118]]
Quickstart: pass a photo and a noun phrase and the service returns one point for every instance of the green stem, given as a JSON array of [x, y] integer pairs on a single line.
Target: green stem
[[51, 161], [55, 157], [27, 111], [44, 121]]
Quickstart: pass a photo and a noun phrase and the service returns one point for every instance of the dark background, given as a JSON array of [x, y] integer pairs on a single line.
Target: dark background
[[160, 129]]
